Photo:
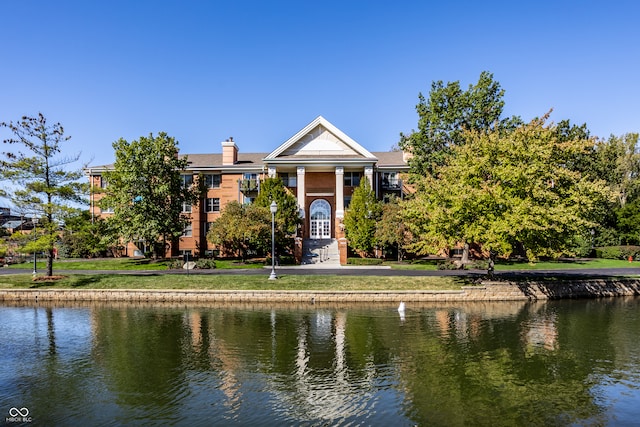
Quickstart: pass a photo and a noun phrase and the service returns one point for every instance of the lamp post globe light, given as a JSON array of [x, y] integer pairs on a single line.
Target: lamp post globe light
[[273, 208]]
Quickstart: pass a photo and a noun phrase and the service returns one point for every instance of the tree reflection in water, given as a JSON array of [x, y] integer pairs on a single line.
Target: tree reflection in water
[[554, 363]]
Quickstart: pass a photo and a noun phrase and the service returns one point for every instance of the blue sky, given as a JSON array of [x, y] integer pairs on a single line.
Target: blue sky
[[261, 70]]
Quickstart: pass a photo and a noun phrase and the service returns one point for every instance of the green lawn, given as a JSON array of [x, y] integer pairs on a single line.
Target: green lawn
[[147, 264], [235, 282], [524, 266], [124, 264], [231, 264], [570, 264], [98, 264]]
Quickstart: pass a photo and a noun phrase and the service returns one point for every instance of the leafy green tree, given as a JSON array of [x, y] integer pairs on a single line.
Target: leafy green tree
[[447, 114], [81, 237], [240, 228], [391, 229], [628, 223], [147, 191], [287, 216], [361, 218], [507, 192], [584, 162], [619, 160], [42, 183]]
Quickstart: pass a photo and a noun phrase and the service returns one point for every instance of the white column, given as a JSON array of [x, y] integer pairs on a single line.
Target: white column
[[339, 192], [368, 172], [301, 191]]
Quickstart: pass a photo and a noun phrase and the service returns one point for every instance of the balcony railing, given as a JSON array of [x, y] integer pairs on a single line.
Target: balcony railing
[[249, 185], [392, 184]]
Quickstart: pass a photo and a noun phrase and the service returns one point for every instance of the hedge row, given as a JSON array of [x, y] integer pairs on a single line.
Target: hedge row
[[203, 264], [618, 252], [365, 261]]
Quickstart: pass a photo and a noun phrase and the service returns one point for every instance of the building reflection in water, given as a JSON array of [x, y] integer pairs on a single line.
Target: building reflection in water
[[222, 360], [312, 392], [540, 332]]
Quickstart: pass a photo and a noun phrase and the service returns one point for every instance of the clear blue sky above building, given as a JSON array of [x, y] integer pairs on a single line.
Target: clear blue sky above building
[[261, 70]]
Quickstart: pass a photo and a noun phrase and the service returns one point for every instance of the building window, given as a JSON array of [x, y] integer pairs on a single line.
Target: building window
[[188, 231], [352, 179], [347, 201], [213, 180], [103, 182], [212, 204], [186, 207], [206, 226], [288, 180], [104, 209], [187, 180]]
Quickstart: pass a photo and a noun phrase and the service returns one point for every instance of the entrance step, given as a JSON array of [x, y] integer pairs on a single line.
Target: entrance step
[[320, 253]]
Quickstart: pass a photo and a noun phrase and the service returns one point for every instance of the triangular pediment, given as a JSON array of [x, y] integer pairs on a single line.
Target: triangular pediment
[[320, 139]]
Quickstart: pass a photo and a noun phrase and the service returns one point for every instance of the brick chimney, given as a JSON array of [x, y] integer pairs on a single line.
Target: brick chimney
[[406, 155], [229, 152]]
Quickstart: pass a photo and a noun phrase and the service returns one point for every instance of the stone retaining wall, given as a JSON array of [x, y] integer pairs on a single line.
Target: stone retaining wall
[[487, 291]]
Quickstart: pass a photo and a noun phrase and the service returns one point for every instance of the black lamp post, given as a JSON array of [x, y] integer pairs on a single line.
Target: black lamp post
[[273, 208]]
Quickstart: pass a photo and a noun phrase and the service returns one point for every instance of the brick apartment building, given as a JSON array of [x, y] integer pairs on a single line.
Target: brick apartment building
[[320, 164]]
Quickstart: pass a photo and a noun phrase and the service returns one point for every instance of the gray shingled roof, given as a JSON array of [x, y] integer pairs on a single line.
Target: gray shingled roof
[[214, 160], [390, 158]]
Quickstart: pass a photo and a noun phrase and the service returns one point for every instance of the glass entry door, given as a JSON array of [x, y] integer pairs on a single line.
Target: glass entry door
[[320, 219]]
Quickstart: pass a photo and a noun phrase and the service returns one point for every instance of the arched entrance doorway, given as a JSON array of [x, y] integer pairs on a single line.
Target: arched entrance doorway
[[320, 219]]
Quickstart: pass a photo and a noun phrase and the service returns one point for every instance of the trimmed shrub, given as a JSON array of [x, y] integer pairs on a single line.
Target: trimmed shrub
[[175, 264], [454, 264], [448, 264], [364, 261], [478, 264], [206, 264]]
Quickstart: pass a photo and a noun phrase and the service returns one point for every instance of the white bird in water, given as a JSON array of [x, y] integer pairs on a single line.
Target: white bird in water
[[401, 307], [401, 311]]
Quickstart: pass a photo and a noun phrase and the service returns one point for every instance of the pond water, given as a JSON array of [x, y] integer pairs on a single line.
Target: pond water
[[512, 364]]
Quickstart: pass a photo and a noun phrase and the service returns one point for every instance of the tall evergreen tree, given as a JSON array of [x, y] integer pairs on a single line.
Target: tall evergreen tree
[[361, 218], [42, 184]]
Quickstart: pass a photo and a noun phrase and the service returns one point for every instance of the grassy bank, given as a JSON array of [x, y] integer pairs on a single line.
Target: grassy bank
[[234, 282]]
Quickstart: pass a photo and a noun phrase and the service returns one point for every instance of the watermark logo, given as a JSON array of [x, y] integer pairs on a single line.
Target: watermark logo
[[18, 415]]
